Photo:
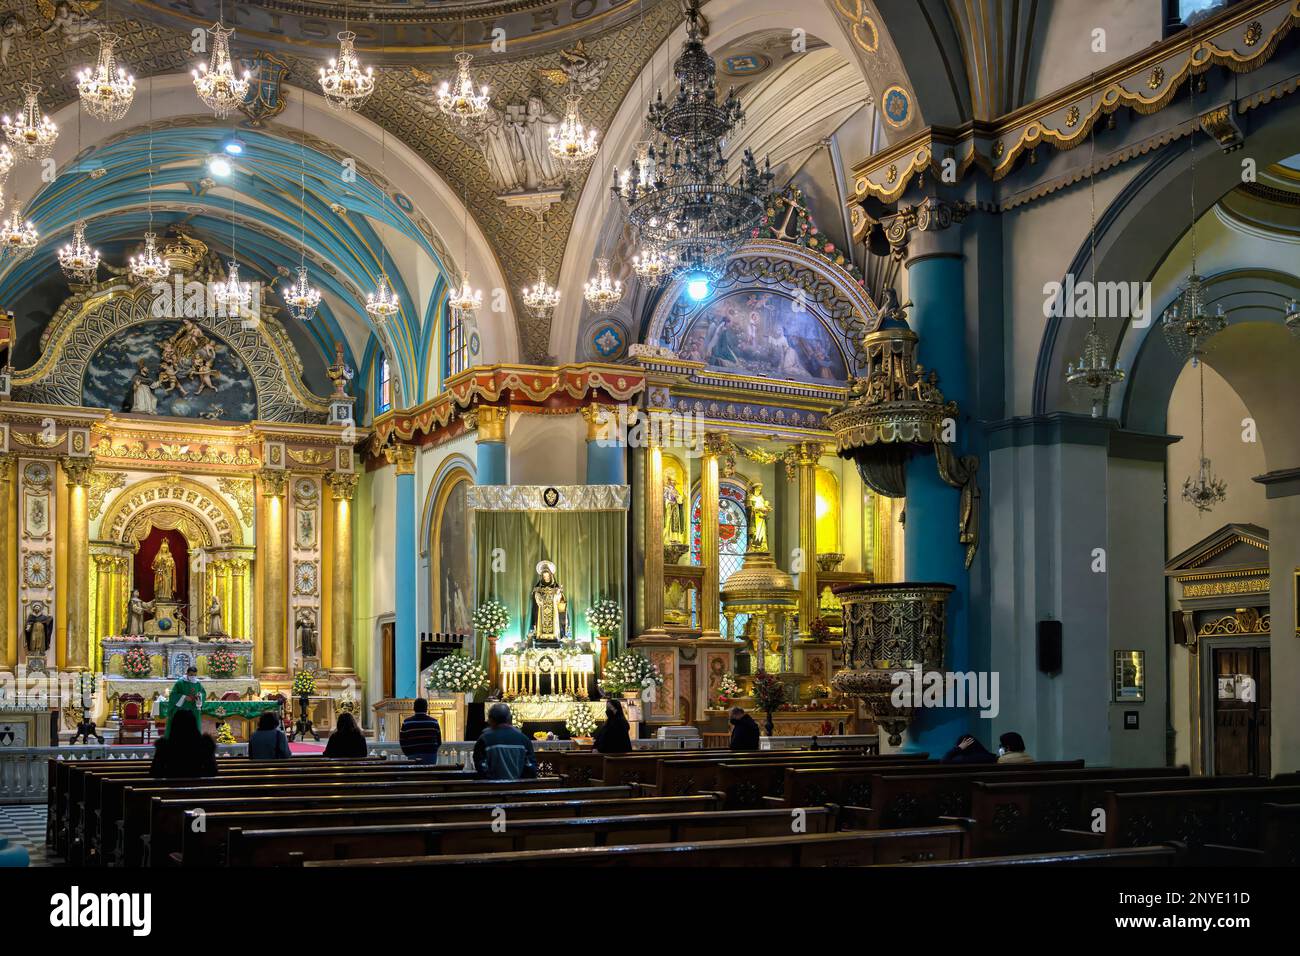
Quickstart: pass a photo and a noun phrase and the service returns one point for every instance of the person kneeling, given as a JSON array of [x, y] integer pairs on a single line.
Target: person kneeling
[[502, 752]]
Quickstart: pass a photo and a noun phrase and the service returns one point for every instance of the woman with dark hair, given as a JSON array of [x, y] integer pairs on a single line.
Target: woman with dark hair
[[184, 752], [614, 737], [347, 739], [268, 741], [969, 750], [1013, 749]]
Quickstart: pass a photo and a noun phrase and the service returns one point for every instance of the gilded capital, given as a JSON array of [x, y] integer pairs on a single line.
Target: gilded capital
[[343, 484], [78, 470], [274, 482], [598, 419], [491, 422], [402, 457], [7, 460], [930, 215], [716, 445]]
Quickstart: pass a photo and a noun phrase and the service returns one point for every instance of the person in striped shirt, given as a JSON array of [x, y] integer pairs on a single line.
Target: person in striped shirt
[[421, 736]]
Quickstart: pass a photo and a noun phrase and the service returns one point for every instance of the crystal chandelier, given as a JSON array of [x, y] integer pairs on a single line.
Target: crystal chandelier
[[233, 295], [1205, 490], [603, 292], [148, 266], [107, 90], [79, 261], [345, 84], [572, 142], [677, 196], [383, 301], [1093, 375], [17, 236], [302, 298], [459, 101], [466, 299], [1292, 315], [652, 266], [542, 298], [6, 161], [1187, 326], [218, 86], [31, 134]]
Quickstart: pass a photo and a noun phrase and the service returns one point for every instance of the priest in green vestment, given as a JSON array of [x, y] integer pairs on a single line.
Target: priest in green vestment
[[187, 694]]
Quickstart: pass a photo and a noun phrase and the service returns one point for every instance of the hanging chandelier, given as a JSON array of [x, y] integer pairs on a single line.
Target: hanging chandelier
[[1204, 490], [218, 86], [653, 267], [677, 196], [302, 298], [459, 101], [383, 301], [107, 90], [542, 298], [345, 84], [571, 142], [1093, 375], [1187, 326], [32, 133], [79, 261], [233, 295], [603, 292], [17, 236], [6, 160], [466, 300], [149, 266]]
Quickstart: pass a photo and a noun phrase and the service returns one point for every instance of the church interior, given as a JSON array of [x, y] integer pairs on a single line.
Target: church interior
[[911, 375]]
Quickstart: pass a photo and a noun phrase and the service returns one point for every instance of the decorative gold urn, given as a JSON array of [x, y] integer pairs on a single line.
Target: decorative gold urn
[[767, 594], [890, 628]]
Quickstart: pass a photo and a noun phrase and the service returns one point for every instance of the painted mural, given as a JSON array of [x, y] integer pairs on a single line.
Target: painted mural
[[762, 333], [170, 367], [455, 547]]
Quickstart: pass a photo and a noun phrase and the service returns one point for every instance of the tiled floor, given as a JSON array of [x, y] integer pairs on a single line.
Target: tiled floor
[[24, 825]]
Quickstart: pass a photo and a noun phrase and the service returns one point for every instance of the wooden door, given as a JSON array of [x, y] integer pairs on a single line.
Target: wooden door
[[386, 642], [1242, 710]]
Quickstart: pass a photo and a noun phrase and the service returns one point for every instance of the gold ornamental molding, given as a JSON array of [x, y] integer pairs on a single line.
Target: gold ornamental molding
[[1222, 588], [1242, 38], [171, 498], [1244, 620]]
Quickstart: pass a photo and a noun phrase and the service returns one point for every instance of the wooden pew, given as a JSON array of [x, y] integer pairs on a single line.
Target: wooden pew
[[135, 826], [745, 783], [692, 775], [1279, 826], [862, 848], [588, 766], [209, 846], [1128, 856], [644, 769], [291, 846], [1046, 816], [1221, 820]]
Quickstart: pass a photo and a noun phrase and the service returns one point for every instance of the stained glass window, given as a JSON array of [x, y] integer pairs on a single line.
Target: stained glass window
[[384, 393], [733, 533]]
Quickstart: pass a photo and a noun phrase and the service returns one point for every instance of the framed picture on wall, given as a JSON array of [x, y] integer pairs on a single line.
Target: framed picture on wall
[[1130, 676]]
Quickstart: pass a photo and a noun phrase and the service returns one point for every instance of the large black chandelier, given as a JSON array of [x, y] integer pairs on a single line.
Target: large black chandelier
[[676, 194]]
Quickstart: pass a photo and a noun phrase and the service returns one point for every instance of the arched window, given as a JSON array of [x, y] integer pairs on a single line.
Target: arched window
[[455, 344], [383, 387], [733, 531]]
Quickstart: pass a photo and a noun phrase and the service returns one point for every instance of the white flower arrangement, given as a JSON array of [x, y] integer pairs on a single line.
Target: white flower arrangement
[[580, 722], [728, 689], [604, 618], [457, 674], [491, 618], [631, 671]]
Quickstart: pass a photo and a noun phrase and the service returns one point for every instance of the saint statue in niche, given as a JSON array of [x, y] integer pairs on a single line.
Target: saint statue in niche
[[135, 611], [548, 622], [674, 524], [164, 573], [214, 616], [37, 629], [306, 627], [758, 511]]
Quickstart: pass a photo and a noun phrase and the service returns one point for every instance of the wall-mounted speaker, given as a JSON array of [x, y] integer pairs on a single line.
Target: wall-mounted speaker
[[1049, 647]]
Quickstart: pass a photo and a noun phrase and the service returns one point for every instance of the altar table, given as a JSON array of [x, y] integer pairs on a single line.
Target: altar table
[[240, 714]]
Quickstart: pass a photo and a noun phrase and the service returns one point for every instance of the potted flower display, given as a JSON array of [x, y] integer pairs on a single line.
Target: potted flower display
[[491, 618], [728, 691], [604, 618], [457, 674], [224, 734], [769, 697], [136, 663], [222, 663], [630, 674], [580, 724]]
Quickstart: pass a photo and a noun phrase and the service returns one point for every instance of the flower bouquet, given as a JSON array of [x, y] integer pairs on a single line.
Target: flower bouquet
[[222, 663], [580, 722], [604, 618], [491, 618], [728, 691], [135, 663], [304, 684], [631, 671], [769, 696], [224, 734], [457, 674]]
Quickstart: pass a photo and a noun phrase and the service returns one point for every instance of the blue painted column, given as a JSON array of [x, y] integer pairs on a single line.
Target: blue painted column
[[932, 552], [491, 445], [606, 457], [406, 649]]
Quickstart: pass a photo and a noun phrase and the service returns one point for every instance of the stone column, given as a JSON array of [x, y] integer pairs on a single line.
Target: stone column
[[343, 486], [710, 585], [274, 624], [405, 650], [490, 443], [652, 480], [802, 463], [9, 628], [77, 585]]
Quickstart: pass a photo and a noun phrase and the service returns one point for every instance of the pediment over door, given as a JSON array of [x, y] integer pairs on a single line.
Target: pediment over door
[[1224, 582]]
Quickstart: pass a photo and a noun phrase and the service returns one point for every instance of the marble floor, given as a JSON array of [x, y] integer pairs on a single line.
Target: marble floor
[[24, 825]]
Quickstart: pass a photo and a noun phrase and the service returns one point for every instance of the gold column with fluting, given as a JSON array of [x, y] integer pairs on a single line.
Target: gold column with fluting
[[343, 486], [239, 596], [805, 456], [105, 588], [709, 585], [653, 570], [275, 629], [77, 655], [8, 571]]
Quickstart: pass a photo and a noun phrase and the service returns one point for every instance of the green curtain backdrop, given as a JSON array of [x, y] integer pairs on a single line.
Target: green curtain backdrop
[[588, 549]]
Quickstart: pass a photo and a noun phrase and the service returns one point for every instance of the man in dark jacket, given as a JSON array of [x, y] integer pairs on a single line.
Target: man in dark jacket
[[744, 730], [502, 752], [421, 736]]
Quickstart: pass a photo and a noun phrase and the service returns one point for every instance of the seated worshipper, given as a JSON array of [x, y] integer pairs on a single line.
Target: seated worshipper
[[268, 741], [421, 736], [969, 750], [184, 752], [744, 730], [347, 739], [1013, 749], [502, 752], [614, 737]]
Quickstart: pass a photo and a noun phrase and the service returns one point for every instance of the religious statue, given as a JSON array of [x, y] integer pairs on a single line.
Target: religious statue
[[38, 628], [142, 398], [305, 625], [674, 524], [168, 376], [201, 367], [135, 609], [548, 622], [164, 573], [214, 616], [187, 694], [758, 508]]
